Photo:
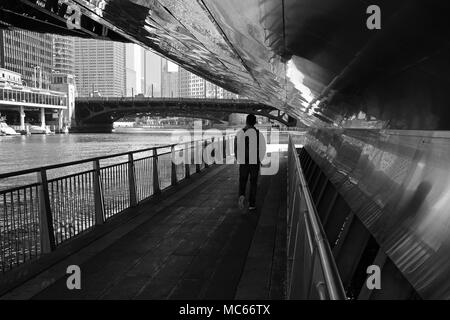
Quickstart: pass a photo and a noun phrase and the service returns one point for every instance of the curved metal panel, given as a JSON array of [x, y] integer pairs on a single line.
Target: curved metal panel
[[397, 182], [315, 60]]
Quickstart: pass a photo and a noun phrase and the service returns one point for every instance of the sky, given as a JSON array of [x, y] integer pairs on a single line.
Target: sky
[[172, 67]]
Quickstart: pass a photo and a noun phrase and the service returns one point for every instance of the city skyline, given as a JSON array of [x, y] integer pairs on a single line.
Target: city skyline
[[80, 67], [28, 53], [100, 67]]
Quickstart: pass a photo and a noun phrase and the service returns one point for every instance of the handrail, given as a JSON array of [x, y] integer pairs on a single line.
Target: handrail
[[36, 218], [77, 162], [333, 284]]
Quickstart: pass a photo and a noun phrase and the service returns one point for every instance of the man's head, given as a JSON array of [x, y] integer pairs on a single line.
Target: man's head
[[251, 120]]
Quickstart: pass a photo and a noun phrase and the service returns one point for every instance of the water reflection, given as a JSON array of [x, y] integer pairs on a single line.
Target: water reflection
[[24, 152]]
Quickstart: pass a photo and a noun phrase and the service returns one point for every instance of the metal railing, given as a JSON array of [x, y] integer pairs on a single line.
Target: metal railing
[[44, 207], [312, 272]]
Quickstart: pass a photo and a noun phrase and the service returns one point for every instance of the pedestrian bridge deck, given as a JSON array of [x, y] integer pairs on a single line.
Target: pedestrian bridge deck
[[193, 244]]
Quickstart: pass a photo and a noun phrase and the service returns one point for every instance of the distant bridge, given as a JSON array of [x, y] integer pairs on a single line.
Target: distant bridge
[[99, 113]]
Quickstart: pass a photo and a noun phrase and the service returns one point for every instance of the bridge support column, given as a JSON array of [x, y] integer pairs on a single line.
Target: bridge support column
[[43, 117], [22, 118]]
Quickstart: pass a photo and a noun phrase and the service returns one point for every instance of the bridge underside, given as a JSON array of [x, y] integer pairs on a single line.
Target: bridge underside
[[98, 115]]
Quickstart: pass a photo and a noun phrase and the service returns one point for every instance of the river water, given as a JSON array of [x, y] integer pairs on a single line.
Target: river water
[[25, 152], [71, 199]]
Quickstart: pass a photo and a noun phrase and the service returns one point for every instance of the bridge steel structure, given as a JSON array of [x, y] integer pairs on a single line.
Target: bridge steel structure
[[97, 114]]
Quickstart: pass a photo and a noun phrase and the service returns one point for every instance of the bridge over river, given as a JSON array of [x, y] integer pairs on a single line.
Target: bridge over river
[[97, 114]]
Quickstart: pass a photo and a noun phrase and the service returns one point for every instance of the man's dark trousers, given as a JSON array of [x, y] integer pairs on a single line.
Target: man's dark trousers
[[251, 170]]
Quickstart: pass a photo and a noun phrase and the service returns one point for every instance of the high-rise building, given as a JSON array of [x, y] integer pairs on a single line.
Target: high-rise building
[[29, 54], [63, 54], [99, 67], [193, 86], [169, 79], [143, 71], [215, 92], [133, 69], [152, 74], [184, 78]]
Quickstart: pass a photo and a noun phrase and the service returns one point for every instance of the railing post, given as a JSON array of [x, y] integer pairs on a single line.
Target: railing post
[[205, 144], [156, 188], [174, 179], [213, 153], [47, 235], [198, 167], [98, 195], [132, 180], [224, 149], [187, 167]]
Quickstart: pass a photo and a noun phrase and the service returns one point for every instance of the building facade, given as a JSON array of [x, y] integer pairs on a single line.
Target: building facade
[[169, 79], [63, 54], [10, 77], [65, 83], [28, 53], [133, 85], [142, 72], [184, 78], [99, 68], [193, 86], [152, 85]]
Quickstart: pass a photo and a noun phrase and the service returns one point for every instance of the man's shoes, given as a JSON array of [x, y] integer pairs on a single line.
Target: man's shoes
[[252, 208], [241, 202]]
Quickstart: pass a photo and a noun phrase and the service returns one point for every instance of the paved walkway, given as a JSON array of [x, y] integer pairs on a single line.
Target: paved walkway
[[199, 246]]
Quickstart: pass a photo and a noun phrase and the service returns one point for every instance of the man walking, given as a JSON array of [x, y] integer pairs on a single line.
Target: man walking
[[249, 150]]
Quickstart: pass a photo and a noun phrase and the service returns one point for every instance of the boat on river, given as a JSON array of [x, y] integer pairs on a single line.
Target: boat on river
[[5, 129], [40, 130]]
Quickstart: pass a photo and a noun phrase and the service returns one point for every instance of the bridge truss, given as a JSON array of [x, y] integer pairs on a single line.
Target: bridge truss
[[107, 110]]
